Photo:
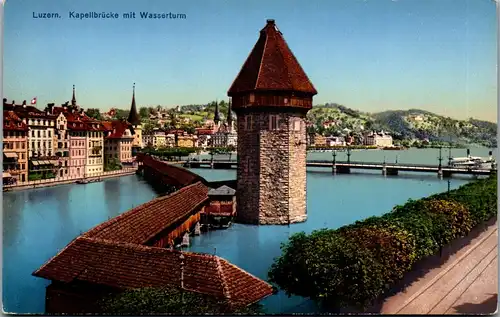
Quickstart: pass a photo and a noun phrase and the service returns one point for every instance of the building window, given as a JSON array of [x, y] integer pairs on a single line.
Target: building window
[[49, 133]]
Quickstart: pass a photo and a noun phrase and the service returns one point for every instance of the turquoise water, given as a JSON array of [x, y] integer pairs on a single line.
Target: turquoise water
[[38, 223]]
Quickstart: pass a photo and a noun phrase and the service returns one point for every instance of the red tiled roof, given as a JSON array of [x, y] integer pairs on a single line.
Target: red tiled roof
[[201, 131], [146, 221], [271, 66], [175, 132], [11, 122], [177, 174], [125, 266], [117, 128]]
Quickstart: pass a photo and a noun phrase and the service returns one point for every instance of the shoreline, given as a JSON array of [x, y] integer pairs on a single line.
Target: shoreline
[[55, 182]]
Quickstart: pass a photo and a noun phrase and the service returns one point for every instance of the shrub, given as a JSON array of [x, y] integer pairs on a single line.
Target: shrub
[[167, 301], [355, 264]]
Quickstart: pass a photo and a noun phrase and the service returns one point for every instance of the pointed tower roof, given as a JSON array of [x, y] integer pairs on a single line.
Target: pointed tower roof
[[216, 115], [133, 116], [73, 100], [271, 66], [229, 113]]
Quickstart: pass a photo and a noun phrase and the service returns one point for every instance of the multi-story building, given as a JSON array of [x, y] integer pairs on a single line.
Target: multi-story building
[[94, 164], [204, 137], [381, 139], [61, 142], [186, 140], [155, 139], [15, 147], [77, 133], [135, 120], [118, 141], [41, 126]]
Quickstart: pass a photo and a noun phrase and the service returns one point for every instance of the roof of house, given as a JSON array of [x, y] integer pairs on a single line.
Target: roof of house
[[142, 223], [125, 265], [11, 122], [203, 131], [271, 66], [177, 174], [222, 191], [117, 129]]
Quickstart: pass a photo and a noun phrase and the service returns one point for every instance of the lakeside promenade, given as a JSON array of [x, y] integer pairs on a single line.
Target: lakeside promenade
[[69, 180], [465, 282]]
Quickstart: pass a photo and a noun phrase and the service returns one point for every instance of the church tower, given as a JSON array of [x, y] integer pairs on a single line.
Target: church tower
[[134, 119], [230, 119], [73, 99], [217, 116], [271, 96]]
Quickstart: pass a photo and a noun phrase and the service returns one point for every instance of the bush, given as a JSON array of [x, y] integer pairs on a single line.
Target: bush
[[355, 264], [167, 301]]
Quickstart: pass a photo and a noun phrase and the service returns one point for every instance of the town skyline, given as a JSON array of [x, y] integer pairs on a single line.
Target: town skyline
[[373, 56]]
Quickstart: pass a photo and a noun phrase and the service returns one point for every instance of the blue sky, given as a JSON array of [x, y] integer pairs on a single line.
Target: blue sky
[[371, 55]]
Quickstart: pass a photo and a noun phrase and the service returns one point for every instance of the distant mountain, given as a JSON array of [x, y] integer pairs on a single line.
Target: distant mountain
[[404, 124]]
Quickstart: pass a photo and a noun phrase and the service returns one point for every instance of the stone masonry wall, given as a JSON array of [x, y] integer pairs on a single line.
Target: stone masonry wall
[[297, 171], [274, 171], [271, 169], [247, 196]]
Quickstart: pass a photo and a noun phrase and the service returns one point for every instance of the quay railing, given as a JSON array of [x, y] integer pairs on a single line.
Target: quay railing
[[63, 179]]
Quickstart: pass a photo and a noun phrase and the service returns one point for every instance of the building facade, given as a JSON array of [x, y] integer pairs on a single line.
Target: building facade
[[62, 140], [271, 108], [380, 139], [15, 147], [118, 142], [95, 148]]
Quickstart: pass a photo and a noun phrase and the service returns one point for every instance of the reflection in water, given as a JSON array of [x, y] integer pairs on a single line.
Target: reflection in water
[[111, 191], [12, 214]]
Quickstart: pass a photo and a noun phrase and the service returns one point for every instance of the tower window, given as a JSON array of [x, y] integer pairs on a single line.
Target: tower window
[[296, 125], [273, 122], [248, 122]]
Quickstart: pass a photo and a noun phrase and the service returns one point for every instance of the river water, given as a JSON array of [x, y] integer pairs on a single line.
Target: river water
[[40, 222]]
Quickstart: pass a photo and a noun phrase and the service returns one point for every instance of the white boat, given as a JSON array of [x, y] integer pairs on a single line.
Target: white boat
[[474, 162]]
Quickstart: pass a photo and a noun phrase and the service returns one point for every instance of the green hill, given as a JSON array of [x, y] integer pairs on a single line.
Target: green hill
[[404, 125]]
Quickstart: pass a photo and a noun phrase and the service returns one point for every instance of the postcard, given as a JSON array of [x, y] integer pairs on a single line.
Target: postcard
[[265, 157]]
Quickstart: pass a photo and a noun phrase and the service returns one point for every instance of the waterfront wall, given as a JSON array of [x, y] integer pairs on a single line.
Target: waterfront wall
[[68, 180]]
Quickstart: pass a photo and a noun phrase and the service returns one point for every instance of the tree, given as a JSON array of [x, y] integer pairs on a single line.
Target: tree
[[94, 113], [168, 301], [144, 112], [122, 114], [149, 127]]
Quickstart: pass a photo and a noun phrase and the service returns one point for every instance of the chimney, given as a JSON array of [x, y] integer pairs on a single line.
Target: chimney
[[270, 21], [24, 103], [13, 103], [4, 101]]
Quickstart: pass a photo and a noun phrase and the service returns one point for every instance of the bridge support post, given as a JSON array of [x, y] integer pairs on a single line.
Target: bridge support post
[[197, 229], [212, 164], [384, 170], [446, 174], [334, 169], [440, 173], [185, 240]]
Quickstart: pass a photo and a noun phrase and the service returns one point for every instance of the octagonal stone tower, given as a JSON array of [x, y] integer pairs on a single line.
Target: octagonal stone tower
[[271, 96]]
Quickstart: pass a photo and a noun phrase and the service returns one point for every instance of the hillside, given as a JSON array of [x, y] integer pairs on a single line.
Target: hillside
[[404, 124]]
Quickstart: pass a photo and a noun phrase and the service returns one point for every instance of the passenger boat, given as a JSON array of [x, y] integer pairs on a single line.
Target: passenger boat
[[82, 181], [475, 162]]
